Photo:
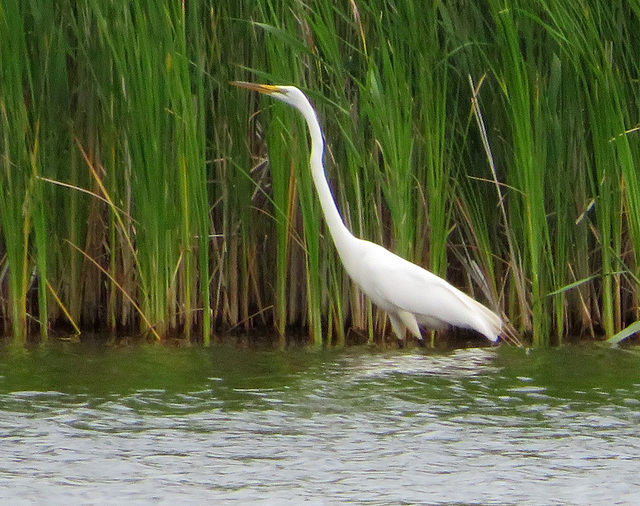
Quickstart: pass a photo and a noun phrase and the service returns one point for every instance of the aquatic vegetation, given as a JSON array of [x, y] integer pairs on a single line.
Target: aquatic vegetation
[[498, 138]]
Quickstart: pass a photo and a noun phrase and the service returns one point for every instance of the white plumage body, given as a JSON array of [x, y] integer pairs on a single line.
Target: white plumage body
[[413, 296]]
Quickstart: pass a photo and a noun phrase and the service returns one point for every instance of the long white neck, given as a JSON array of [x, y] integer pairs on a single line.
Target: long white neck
[[339, 232]]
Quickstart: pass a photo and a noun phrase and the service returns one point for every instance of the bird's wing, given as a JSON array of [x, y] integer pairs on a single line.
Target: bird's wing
[[396, 282]]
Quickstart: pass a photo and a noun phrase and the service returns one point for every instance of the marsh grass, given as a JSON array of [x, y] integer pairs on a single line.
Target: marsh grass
[[494, 142]]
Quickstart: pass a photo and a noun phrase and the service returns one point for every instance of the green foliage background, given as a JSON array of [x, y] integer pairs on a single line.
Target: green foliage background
[[494, 142]]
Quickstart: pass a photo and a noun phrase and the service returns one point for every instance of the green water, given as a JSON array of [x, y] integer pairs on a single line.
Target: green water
[[84, 423]]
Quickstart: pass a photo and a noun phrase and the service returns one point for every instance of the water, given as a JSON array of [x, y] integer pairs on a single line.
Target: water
[[89, 424]]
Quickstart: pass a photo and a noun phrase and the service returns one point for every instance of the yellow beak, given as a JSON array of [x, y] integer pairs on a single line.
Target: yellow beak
[[262, 88]]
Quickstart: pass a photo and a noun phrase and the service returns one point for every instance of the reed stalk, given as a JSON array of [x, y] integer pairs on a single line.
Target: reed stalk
[[19, 155]]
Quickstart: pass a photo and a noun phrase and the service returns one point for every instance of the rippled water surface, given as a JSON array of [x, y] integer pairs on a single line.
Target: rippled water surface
[[91, 424]]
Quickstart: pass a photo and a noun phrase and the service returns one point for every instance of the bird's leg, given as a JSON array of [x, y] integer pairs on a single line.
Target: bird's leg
[[409, 321], [398, 329]]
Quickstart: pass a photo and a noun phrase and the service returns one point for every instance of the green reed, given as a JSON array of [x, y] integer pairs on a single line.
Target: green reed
[[494, 143], [17, 143]]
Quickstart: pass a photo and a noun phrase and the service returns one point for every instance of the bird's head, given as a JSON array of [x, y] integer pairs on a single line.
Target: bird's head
[[287, 94]]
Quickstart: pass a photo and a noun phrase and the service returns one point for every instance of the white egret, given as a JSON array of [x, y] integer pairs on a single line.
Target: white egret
[[410, 295]]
